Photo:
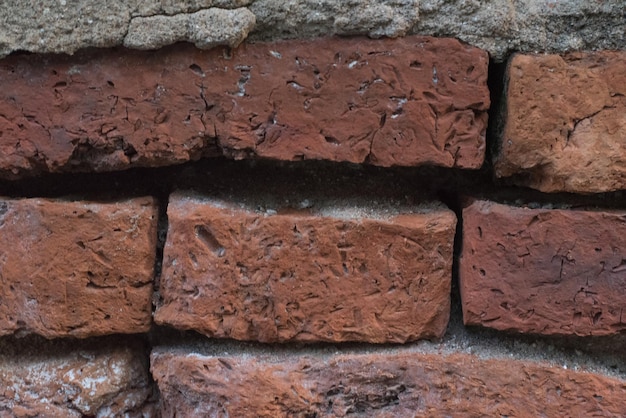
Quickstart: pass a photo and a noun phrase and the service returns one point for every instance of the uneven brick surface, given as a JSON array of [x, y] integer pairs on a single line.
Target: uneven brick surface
[[66, 379], [76, 268], [544, 271], [378, 385], [304, 276], [408, 101], [565, 122]]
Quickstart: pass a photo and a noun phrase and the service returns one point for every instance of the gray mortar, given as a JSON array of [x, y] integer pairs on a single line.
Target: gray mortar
[[498, 26]]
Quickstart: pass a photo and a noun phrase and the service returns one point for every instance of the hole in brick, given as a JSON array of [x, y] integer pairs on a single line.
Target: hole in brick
[[415, 64], [331, 140], [482, 272], [598, 250], [81, 244], [470, 70], [107, 316], [110, 83], [480, 232], [596, 317], [208, 239], [60, 84], [197, 69]]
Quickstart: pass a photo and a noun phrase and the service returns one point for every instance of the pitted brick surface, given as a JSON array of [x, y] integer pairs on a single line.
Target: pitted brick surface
[[296, 276], [565, 122], [74, 379], [408, 102], [543, 271], [76, 268], [378, 385]]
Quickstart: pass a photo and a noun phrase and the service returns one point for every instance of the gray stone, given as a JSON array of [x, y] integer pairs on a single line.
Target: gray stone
[[278, 19], [503, 26], [61, 25], [147, 8], [498, 26], [206, 29]]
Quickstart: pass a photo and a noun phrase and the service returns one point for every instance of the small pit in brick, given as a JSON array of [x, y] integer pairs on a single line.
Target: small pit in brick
[[209, 240]]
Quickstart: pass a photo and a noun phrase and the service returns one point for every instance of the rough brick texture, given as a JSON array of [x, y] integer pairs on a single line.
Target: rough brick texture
[[565, 122], [378, 385], [407, 102], [544, 271], [301, 276], [76, 268], [74, 380]]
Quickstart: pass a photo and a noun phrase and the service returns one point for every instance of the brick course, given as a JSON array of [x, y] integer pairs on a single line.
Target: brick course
[[409, 101], [76, 268], [296, 276], [377, 385], [543, 271]]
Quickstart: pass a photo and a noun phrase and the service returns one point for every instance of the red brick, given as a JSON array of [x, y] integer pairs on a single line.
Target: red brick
[[76, 268], [304, 276], [70, 379], [544, 271], [565, 122], [377, 385], [408, 101]]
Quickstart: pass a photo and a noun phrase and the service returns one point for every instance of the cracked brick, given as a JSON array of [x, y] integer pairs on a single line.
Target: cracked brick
[[543, 271], [565, 122], [407, 102]]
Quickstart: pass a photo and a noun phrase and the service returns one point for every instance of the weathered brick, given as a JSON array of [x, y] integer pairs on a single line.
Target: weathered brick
[[70, 379], [409, 101], [304, 275], [377, 385], [543, 271], [76, 268], [565, 122]]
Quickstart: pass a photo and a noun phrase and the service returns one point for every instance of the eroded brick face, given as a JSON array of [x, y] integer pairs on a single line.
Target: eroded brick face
[[565, 122], [407, 102], [76, 268], [543, 271], [377, 385], [297, 276], [65, 378]]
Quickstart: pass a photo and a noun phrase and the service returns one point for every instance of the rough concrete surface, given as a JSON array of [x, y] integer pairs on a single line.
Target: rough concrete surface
[[76, 268], [206, 29], [409, 101], [377, 385], [564, 123], [279, 19], [296, 275], [69, 379], [498, 26], [528, 270]]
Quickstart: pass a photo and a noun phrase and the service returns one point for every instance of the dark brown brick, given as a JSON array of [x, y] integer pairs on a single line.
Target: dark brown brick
[[377, 385], [544, 271], [76, 268], [305, 276], [408, 101]]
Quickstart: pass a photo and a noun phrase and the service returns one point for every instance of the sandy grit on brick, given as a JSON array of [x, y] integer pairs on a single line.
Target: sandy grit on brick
[[296, 275], [74, 379]]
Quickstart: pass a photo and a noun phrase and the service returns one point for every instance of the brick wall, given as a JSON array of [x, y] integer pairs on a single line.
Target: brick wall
[[322, 227]]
